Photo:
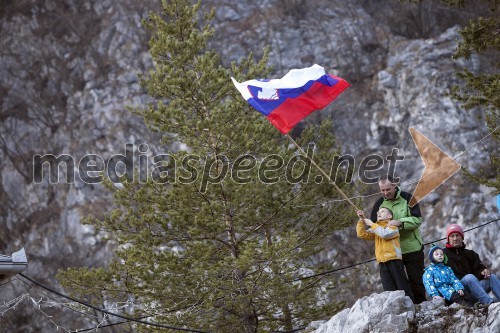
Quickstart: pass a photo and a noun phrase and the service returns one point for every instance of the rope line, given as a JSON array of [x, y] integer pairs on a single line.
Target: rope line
[[111, 313], [373, 259], [139, 321], [410, 182]]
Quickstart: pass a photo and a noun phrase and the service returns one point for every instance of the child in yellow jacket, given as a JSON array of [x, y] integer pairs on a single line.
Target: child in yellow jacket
[[387, 251]]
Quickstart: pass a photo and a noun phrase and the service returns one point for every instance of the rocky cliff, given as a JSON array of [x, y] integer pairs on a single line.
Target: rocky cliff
[[392, 311], [69, 74]]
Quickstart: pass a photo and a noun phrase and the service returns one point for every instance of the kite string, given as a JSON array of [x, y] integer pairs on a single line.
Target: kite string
[[410, 182]]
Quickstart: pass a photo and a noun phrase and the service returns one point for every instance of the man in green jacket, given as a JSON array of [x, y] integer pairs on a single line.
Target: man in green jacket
[[408, 220]]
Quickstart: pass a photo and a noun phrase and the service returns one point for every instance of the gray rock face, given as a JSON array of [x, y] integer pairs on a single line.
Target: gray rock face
[[394, 312], [69, 72]]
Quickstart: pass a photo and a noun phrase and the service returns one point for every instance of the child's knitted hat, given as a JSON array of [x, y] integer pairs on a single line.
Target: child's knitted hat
[[431, 252]]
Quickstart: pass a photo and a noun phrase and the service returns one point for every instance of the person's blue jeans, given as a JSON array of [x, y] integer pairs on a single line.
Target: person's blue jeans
[[480, 289]]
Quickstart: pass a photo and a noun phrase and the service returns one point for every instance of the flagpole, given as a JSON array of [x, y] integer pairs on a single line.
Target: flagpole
[[323, 172]]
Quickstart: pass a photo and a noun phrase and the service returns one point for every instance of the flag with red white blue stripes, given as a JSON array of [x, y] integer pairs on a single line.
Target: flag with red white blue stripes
[[288, 100]]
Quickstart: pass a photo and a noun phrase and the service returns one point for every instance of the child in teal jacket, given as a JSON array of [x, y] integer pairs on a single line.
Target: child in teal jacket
[[440, 281]]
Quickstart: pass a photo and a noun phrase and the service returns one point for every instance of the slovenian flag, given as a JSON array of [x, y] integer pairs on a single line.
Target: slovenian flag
[[288, 100]]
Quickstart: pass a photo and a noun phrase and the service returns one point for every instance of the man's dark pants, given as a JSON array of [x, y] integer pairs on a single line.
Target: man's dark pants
[[414, 263]]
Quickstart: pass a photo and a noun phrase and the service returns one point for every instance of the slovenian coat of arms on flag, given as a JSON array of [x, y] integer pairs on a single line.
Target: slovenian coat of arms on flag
[[288, 100]]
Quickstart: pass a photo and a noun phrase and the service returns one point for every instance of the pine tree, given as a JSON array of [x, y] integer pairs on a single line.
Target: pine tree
[[213, 241], [482, 90]]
